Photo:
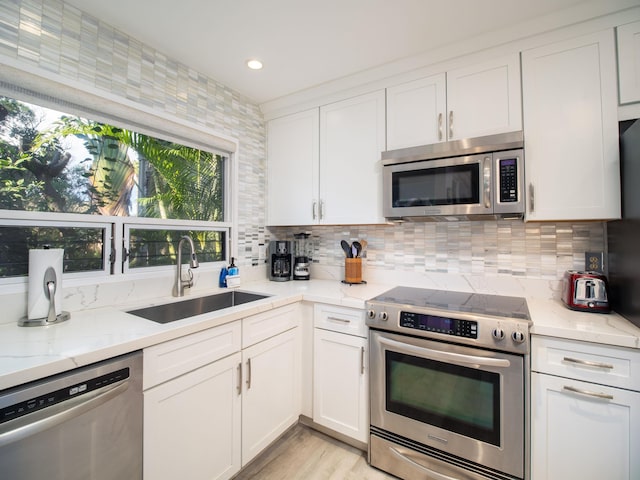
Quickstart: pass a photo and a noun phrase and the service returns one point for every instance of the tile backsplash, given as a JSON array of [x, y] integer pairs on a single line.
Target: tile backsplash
[[494, 248]]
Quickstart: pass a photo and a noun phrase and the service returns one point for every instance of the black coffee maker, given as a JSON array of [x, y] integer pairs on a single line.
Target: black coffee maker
[[280, 260]]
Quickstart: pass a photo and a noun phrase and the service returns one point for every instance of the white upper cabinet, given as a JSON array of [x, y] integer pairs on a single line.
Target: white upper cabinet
[[324, 164], [352, 137], [484, 99], [416, 112], [629, 62], [481, 99], [571, 129], [293, 155]]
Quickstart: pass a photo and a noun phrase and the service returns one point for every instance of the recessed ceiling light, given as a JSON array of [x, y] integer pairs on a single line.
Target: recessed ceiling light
[[254, 64]]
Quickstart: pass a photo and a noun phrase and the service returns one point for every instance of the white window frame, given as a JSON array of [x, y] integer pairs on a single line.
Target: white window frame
[[127, 226], [25, 84]]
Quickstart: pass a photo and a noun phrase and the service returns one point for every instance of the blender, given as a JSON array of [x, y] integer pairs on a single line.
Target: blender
[[302, 250]]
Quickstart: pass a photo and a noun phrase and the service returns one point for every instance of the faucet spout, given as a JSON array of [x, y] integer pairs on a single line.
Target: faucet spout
[[180, 284]]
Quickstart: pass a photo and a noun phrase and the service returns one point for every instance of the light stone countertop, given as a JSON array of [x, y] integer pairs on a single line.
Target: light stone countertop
[[92, 335]]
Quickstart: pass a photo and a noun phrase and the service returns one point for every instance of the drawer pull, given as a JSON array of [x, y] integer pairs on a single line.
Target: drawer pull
[[341, 320], [604, 396], [588, 363]]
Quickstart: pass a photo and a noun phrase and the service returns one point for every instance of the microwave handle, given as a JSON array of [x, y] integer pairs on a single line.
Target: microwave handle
[[486, 175], [457, 358]]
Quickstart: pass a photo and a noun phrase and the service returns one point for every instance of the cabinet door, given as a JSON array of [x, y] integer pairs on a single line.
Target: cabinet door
[[192, 424], [271, 391], [352, 136], [416, 113], [580, 435], [629, 62], [340, 387], [484, 99], [292, 169], [571, 130]]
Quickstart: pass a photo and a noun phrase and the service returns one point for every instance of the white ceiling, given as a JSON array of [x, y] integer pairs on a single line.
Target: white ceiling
[[305, 43]]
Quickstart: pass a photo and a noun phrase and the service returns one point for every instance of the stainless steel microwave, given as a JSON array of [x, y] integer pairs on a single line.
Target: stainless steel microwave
[[464, 179]]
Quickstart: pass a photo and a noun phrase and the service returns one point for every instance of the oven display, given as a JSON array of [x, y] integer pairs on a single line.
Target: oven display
[[433, 323]]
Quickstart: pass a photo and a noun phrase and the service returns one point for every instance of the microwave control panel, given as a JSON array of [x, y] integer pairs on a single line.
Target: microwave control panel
[[434, 323], [508, 178]]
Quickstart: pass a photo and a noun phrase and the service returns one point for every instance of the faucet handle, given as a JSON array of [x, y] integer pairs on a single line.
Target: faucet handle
[[189, 282]]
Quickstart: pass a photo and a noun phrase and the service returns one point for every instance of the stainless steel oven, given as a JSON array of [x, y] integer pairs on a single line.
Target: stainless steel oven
[[448, 385]]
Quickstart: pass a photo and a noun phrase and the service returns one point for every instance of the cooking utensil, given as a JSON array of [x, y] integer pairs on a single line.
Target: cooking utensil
[[347, 248], [356, 247]]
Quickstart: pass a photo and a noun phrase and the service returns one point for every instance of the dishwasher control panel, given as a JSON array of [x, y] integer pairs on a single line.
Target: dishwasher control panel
[[40, 402]]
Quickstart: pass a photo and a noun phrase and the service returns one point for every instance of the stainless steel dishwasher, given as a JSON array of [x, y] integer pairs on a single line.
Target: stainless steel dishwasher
[[83, 424]]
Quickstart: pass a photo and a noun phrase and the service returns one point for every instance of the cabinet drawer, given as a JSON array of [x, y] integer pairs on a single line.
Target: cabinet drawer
[[590, 362], [176, 357], [340, 319], [268, 324]]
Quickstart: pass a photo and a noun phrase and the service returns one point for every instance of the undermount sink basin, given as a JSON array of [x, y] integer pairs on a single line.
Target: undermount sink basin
[[170, 312]]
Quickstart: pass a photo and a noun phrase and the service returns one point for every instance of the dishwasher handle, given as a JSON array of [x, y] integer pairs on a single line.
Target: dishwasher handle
[[43, 420]]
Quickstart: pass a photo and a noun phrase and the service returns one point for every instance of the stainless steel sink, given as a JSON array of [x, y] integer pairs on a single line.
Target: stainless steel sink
[[170, 312]]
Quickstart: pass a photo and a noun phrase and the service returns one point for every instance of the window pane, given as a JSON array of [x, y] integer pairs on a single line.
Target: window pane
[[53, 162], [84, 248], [150, 248]]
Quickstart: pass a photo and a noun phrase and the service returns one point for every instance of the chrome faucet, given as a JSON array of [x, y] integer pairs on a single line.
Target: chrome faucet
[[180, 284]]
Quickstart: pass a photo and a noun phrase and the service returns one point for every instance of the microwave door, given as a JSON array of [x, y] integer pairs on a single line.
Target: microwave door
[[458, 186]]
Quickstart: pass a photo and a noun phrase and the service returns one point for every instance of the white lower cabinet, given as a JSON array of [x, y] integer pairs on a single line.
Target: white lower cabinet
[[271, 391], [192, 424], [582, 429], [215, 399], [340, 385]]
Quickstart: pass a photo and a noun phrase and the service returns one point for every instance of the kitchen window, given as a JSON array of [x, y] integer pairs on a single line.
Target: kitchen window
[[117, 200]]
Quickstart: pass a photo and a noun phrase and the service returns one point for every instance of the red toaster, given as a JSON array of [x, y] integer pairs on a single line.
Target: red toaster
[[586, 291]]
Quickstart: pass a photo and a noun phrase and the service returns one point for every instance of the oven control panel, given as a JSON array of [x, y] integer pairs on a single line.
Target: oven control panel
[[434, 323]]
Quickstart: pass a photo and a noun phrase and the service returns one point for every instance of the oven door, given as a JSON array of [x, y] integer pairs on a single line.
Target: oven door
[[463, 401], [454, 186]]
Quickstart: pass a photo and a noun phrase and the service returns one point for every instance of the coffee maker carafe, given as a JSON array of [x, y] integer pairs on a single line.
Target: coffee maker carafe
[[302, 251], [280, 260]]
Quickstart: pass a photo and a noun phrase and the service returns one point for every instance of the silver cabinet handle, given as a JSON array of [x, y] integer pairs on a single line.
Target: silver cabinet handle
[[450, 124], [341, 320], [588, 363], [248, 374], [440, 126], [588, 393], [531, 198], [239, 386], [361, 360], [321, 210], [486, 168], [314, 210]]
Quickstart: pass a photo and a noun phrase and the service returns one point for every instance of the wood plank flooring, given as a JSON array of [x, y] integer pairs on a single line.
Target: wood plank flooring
[[304, 453]]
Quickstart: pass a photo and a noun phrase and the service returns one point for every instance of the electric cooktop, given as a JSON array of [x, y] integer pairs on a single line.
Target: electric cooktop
[[475, 303]]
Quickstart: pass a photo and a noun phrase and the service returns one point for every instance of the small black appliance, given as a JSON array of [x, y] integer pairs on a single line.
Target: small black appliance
[[280, 260]]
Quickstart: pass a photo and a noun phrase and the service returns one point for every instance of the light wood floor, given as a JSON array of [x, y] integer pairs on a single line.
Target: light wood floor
[[304, 453]]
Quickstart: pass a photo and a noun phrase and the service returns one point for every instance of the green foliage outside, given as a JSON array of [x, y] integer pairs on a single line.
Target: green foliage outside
[[73, 165]]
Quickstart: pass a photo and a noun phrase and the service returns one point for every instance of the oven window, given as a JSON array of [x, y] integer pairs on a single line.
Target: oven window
[[454, 185], [459, 399]]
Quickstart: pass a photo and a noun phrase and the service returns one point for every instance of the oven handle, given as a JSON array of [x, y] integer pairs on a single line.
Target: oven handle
[[432, 473], [445, 356]]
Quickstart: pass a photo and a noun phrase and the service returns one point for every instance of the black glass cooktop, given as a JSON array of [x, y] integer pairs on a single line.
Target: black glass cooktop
[[477, 303]]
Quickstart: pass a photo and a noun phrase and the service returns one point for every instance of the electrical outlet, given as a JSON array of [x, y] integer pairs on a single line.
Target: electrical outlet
[[594, 261]]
